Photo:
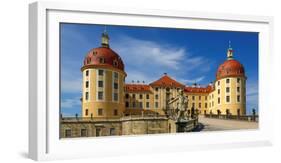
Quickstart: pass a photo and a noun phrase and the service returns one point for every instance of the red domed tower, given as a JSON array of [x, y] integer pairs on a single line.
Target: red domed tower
[[230, 87], [103, 82]]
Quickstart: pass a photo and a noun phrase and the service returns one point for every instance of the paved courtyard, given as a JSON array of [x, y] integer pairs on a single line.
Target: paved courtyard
[[213, 124]]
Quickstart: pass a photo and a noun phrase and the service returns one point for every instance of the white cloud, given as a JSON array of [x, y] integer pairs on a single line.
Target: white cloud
[[70, 103], [191, 81], [147, 60], [157, 55]]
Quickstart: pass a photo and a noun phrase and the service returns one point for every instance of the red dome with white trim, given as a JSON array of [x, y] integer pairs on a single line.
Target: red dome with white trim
[[104, 56], [230, 68]]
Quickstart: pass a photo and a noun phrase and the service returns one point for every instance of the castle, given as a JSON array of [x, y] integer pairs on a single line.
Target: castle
[[107, 99], [105, 93]]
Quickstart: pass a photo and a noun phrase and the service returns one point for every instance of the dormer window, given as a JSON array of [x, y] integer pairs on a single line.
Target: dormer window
[[102, 60], [88, 60], [115, 63]]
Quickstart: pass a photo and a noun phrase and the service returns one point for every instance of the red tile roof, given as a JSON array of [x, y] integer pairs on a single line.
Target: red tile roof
[[137, 88], [230, 68], [195, 89], [166, 81], [109, 57]]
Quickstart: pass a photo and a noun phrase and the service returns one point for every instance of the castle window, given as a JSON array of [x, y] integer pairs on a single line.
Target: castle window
[[101, 72], [86, 112], [156, 89], [238, 98], [87, 72], [127, 95], [134, 96], [206, 97], [199, 97], [102, 60], [218, 83], [140, 105], [115, 96], [140, 96], [112, 131], [238, 80], [147, 96], [88, 60], [219, 91], [206, 105], [115, 85], [227, 89], [147, 104], [115, 63], [100, 83], [87, 84], [83, 132], [127, 104], [100, 95], [193, 97], [193, 105], [238, 89], [100, 111], [219, 100], [212, 103], [87, 95], [227, 99], [156, 96], [115, 112], [134, 104], [156, 104], [227, 80], [67, 133], [199, 104], [115, 75]]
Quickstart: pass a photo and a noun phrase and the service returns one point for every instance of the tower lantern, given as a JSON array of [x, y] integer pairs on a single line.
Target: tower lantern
[[105, 39], [229, 52]]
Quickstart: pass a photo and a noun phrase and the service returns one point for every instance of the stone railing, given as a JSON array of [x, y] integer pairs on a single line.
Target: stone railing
[[111, 119], [141, 117], [87, 119], [253, 118]]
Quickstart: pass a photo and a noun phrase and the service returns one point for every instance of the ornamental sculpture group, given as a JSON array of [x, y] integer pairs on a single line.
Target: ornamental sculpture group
[[181, 114]]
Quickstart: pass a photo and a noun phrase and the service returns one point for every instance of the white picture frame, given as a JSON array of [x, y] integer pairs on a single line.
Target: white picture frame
[[44, 142]]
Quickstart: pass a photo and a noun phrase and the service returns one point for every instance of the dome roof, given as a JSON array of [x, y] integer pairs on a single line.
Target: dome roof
[[104, 56], [230, 68]]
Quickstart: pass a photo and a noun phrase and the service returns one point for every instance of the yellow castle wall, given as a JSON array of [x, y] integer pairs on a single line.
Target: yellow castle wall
[[233, 105], [107, 104], [199, 100]]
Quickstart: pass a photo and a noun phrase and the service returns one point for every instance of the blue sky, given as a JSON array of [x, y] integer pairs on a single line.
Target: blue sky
[[186, 55]]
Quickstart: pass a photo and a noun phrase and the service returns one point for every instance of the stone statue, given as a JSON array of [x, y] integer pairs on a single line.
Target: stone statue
[[181, 111], [182, 105]]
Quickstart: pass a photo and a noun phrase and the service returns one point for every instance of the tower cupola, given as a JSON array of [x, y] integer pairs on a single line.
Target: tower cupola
[[229, 52], [105, 39]]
